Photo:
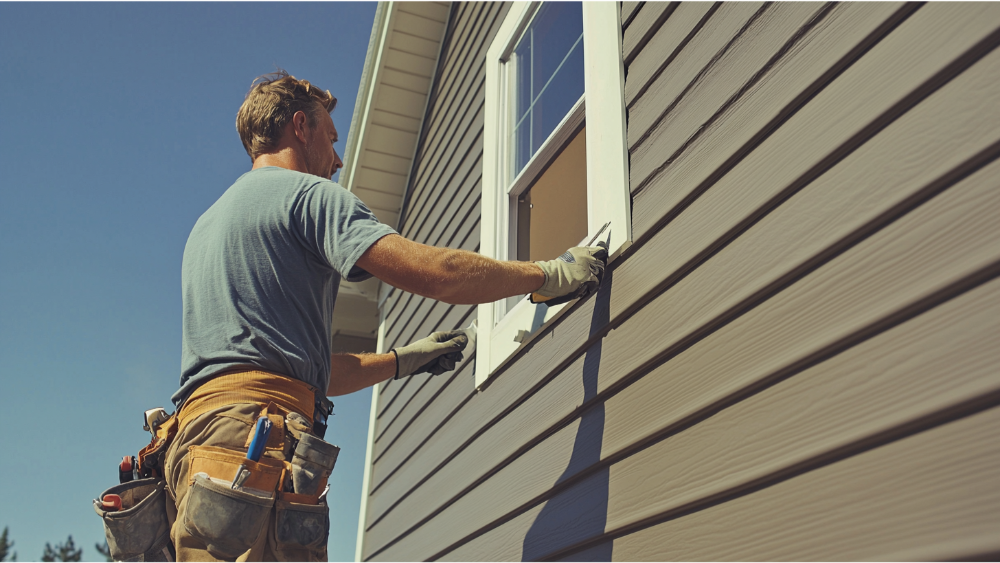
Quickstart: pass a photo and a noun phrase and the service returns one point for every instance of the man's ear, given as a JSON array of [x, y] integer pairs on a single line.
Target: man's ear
[[300, 125]]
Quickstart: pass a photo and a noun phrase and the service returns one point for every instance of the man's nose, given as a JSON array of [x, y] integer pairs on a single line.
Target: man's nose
[[337, 163]]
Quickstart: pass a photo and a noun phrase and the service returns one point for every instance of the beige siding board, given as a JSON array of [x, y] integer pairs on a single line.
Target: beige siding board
[[454, 70], [390, 140], [440, 318], [649, 19], [406, 311], [417, 426], [542, 409], [461, 205], [375, 197], [949, 127], [385, 161], [568, 337], [387, 183], [436, 316], [932, 364], [460, 175], [421, 26], [414, 44], [629, 10], [926, 43], [722, 80], [392, 121], [400, 101], [437, 11], [459, 226], [407, 81], [662, 45], [442, 398], [464, 97], [714, 37], [937, 363], [466, 19], [452, 231], [427, 312], [838, 41], [434, 313], [452, 186], [453, 151], [452, 225], [933, 496], [406, 62], [794, 234], [472, 27], [463, 149]]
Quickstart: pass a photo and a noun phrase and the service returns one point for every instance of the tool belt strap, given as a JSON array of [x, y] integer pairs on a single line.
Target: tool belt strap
[[258, 387]]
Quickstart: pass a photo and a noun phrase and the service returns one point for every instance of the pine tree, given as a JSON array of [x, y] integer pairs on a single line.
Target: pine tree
[[104, 550], [5, 545], [62, 552]]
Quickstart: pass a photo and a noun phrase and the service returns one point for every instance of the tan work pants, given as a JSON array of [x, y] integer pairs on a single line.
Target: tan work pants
[[212, 522]]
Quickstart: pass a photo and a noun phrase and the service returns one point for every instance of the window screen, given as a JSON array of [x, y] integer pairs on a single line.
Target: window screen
[[552, 214]]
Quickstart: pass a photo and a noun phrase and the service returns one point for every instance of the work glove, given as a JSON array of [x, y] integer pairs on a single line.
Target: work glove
[[435, 354], [577, 273]]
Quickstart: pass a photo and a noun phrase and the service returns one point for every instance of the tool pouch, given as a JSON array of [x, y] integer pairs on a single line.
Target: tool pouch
[[312, 464], [228, 521], [139, 531], [301, 528]]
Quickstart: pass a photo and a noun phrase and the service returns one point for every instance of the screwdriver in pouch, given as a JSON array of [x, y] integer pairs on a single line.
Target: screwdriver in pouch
[[256, 449]]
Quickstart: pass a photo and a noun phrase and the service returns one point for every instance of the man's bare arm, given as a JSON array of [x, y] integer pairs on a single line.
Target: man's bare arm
[[458, 277], [353, 372]]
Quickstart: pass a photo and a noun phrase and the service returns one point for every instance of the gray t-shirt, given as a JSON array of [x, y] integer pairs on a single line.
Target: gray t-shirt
[[260, 276]]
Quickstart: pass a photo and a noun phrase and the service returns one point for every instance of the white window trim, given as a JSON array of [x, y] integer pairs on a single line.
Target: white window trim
[[608, 199]]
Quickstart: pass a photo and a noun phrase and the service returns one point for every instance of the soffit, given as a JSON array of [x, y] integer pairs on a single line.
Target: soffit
[[399, 69]]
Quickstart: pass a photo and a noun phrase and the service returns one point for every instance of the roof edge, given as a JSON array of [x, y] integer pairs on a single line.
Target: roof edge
[[361, 105]]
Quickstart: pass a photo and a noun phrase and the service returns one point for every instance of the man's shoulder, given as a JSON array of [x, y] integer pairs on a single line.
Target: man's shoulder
[[281, 182]]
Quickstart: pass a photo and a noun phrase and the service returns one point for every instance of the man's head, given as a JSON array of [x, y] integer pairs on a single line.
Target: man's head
[[281, 112]]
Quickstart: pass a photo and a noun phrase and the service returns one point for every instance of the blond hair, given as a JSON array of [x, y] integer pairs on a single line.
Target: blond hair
[[270, 104]]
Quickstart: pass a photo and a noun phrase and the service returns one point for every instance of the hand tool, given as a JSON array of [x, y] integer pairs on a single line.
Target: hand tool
[[552, 301], [126, 469], [260, 435], [153, 418], [111, 503]]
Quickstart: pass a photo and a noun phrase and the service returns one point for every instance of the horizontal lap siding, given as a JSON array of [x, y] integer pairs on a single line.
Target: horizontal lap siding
[[443, 200], [442, 209], [447, 169], [808, 315]]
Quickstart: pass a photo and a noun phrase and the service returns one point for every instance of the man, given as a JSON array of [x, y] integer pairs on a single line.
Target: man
[[260, 275]]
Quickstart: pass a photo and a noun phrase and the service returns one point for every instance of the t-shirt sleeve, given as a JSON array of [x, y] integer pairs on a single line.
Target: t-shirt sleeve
[[339, 227]]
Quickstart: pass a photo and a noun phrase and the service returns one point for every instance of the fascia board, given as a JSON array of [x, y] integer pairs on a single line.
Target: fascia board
[[366, 93]]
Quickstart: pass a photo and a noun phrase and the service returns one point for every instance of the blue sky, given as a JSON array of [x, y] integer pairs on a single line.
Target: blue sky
[[116, 133]]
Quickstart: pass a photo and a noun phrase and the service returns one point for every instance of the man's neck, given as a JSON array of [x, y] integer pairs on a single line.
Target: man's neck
[[283, 158]]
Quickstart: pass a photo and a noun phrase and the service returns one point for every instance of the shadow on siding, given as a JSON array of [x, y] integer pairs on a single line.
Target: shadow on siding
[[571, 517]]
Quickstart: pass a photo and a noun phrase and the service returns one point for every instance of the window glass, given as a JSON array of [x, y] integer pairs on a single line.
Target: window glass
[[548, 77]]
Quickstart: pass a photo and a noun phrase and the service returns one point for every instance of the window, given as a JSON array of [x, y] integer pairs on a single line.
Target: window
[[554, 160]]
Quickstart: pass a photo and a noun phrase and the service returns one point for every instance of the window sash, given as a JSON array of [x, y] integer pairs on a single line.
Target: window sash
[[608, 198]]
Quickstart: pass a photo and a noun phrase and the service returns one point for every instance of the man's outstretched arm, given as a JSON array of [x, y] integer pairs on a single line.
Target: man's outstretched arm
[[354, 372], [435, 354], [458, 277]]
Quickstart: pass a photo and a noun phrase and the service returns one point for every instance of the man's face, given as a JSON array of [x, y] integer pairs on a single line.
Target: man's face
[[321, 158]]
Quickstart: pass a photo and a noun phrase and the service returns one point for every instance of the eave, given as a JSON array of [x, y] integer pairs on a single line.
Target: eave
[[392, 99]]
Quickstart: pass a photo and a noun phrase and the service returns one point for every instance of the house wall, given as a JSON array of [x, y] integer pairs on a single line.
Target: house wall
[[796, 359]]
